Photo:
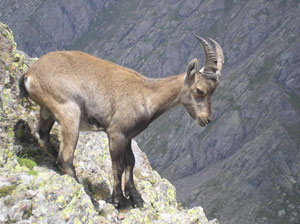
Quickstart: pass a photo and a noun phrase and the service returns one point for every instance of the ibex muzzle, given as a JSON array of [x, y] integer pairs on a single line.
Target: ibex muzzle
[[81, 91]]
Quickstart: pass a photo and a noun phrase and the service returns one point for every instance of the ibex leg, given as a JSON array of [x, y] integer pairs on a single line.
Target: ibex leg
[[43, 133], [117, 146], [68, 116], [130, 190]]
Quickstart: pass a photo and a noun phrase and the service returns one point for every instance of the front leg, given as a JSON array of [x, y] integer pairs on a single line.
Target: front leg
[[130, 190], [117, 146]]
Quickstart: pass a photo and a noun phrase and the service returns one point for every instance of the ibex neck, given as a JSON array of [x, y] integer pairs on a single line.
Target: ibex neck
[[165, 94]]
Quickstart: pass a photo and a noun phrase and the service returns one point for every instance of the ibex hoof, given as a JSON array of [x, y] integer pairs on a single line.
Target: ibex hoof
[[135, 197], [137, 202], [68, 169], [122, 203]]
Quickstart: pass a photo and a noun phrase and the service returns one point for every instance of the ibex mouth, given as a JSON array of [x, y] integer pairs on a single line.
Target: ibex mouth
[[201, 122]]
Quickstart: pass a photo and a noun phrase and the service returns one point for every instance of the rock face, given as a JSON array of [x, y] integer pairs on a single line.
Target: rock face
[[243, 167], [33, 191], [50, 25]]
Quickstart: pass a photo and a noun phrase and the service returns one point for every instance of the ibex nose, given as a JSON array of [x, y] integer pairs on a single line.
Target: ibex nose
[[208, 119], [205, 117]]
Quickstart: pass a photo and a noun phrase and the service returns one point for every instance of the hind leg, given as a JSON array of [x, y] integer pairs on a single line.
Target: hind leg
[[43, 133], [69, 120]]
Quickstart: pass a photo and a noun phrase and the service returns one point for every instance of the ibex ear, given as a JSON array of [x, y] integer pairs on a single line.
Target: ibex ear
[[192, 69]]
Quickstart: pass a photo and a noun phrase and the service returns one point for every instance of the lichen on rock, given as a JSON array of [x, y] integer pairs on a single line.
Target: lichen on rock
[[33, 190]]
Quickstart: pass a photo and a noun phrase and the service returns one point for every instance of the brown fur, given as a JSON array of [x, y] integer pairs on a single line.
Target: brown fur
[[81, 91]]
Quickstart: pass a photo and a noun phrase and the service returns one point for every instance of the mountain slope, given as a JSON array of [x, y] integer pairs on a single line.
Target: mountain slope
[[47, 25], [246, 162]]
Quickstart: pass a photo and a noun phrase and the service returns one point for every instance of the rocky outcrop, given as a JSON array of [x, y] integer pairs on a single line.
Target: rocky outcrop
[[32, 190]]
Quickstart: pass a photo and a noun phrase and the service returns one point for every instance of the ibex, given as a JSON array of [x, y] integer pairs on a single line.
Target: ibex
[[83, 92]]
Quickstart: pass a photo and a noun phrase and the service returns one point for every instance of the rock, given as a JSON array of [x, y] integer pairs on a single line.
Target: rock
[[39, 18], [214, 221], [30, 194]]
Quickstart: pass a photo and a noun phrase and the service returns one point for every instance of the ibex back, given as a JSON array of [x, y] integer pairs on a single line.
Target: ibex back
[[83, 92]]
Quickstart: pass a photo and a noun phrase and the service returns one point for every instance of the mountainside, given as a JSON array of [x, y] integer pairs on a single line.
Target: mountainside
[[244, 167], [32, 190], [47, 25]]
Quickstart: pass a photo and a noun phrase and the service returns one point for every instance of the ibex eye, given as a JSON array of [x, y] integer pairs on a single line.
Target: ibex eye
[[200, 92]]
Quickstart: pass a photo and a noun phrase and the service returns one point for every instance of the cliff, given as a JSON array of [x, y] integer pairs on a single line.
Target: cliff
[[49, 24], [32, 190]]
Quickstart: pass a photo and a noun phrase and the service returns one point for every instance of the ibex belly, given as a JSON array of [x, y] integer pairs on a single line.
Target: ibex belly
[[93, 117], [90, 125]]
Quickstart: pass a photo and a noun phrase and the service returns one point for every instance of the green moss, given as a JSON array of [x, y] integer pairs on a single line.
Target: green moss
[[30, 154], [33, 172], [61, 199], [8, 33], [7, 190], [27, 163]]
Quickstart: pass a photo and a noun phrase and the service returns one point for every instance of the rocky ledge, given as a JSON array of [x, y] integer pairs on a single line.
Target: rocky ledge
[[32, 189]]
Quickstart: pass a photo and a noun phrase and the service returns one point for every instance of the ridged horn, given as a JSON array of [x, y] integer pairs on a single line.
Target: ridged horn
[[211, 59], [219, 53]]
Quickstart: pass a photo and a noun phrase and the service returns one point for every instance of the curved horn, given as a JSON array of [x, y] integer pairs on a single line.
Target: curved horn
[[220, 55], [211, 59]]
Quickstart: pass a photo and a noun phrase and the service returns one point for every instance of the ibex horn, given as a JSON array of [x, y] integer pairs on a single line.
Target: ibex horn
[[211, 59], [219, 53]]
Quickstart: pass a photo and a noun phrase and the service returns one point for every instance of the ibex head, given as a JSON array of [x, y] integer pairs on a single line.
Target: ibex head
[[200, 84]]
